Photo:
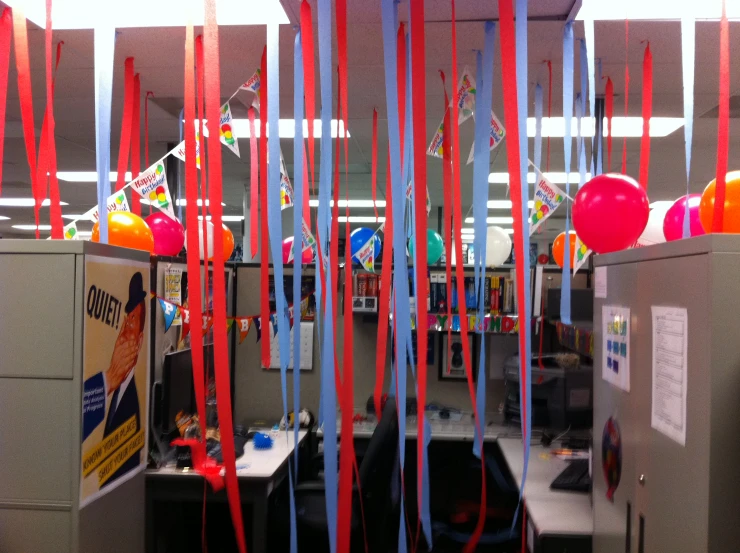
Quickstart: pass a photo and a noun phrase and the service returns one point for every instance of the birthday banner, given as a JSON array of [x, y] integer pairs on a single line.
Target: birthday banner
[[366, 255], [581, 255], [465, 96], [409, 191], [152, 186], [308, 243], [286, 189], [226, 131], [496, 136], [70, 231], [547, 198], [115, 202], [492, 324]]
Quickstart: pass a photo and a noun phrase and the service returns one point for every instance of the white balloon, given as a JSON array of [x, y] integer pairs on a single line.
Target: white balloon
[[209, 238], [498, 246], [653, 233]]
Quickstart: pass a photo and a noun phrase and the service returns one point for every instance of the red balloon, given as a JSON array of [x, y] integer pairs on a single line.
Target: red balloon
[[673, 222], [610, 212]]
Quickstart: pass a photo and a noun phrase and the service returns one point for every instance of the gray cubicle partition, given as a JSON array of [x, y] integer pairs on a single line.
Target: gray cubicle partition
[[42, 326], [679, 489]]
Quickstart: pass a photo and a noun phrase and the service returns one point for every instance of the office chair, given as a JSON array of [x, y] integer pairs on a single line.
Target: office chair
[[376, 472]]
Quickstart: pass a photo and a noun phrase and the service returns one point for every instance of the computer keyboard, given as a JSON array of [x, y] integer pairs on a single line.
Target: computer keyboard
[[574, 478]]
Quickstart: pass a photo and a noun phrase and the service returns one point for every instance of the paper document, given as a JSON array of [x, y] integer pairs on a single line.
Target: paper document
[[615, 346], [600, 282], [670, 338]]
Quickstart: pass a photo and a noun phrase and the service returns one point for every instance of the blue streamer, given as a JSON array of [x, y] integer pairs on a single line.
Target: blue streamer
[[688, 33], [538, 100], [104, 46], [328, 384], [274, 221], [581, 142], [590, 47], [581, 99], [297, 235], [525, 358], [481, 165], [400, 280], [567, 150]]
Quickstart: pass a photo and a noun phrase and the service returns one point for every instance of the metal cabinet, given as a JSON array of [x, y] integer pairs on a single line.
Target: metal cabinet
[[672, 497]]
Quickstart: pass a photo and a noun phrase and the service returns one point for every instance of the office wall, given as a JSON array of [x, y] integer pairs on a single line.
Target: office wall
[[258, 393]]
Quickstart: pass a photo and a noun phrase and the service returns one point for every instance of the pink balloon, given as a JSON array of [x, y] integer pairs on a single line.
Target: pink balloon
[[288, 244], [673, 222], [169, 234], [610, 212]]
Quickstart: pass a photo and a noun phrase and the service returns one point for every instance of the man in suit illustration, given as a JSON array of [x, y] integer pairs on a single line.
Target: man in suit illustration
[[119, 378]]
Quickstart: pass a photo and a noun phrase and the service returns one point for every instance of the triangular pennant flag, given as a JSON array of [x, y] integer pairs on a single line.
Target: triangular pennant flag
[[273, 320], [229, 324], [70, 231], [435, 146], [253, 83], [226, 129], [366, 255], [309, 241], [152, 186], [169, 311], [409, 191], [179, 150], [547, 197], [581, 255], [496, 136], [258, 327], [207, 323], [185, 314], [290, 316], [286, 189], [244, 323], [465, 96], [304, 307], [115, 202]]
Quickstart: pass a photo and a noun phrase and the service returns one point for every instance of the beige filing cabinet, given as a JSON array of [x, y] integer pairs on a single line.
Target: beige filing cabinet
[[43, 318], [671, 497]]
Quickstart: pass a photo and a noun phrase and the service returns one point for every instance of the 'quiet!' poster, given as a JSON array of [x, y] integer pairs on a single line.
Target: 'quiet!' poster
[[115, 371]]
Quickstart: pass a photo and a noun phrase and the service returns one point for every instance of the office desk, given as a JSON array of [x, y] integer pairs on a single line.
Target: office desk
[[259, 472], [557, 520]]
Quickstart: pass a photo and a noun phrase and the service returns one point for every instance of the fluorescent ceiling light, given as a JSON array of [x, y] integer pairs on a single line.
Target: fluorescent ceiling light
[[24, 202], [84, 233], [493, 220], [83, 14], [183, 202], [4, 218], [361, 219], [467, 239], [467, 231], [224, 218], [73, 216], [286, 128], [553, 177], [630, 127], [89, 176], [662, 204], [32, 227], [504, 204], [352, 203], [655, 10]]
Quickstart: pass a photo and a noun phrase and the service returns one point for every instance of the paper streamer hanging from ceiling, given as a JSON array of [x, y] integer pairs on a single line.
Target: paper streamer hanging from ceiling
[[212, 81], [647, 113], [581, 102], [325, 294], [723, 123], [522, 261], [136, 148], [374, 164], [538, 126], [264, 238], [609, 112], [104, 46], [588, 31], [126, 121], [688, 45], [567, 151], [5, 34]]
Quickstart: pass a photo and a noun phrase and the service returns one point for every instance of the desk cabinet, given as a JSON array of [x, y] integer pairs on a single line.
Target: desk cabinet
[[42, 310], [672, 497]]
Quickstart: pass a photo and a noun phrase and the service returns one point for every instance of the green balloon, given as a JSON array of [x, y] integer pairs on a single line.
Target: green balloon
[[435, 247]]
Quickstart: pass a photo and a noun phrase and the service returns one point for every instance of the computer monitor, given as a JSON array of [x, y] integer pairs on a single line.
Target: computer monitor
[[178, 390]]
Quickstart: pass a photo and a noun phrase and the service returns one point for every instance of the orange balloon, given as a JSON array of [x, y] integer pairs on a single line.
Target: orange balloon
[[731, 217], [228, 242], [558, 249], [127, 230]]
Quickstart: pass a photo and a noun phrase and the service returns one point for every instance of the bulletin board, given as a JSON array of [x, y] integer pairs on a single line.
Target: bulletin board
[[306, 348]]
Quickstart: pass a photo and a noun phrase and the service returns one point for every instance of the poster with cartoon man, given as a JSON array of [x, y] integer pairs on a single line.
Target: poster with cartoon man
[[115, 372]]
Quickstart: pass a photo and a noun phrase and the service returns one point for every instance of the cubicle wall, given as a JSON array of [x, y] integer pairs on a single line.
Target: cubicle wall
[[258, 393]]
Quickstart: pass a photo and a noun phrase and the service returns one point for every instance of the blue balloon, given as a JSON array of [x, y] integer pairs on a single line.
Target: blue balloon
[[359, 237]]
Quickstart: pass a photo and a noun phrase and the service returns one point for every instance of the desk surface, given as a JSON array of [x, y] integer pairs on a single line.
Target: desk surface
[[254, 463], [553, 512]]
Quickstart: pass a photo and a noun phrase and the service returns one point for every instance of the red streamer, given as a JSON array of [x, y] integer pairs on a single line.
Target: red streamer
[[128, 107], [55, 210], [309, 87], [5, 33], [146, 128], [253, 187], [22, 64], [462, 307], [193, 257], [609, 108], [136, 143], [374, 166], [626, 90], [264, 252], [723, 122], [385, 291], [647, 113], [200, 98], [220, 342]]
